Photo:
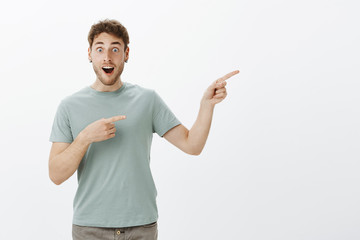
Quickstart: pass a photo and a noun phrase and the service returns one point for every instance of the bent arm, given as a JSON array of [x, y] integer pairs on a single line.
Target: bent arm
[[65, 158], [193, 141]]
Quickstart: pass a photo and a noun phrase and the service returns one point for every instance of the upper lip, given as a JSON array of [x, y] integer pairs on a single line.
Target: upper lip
[[107, 66]]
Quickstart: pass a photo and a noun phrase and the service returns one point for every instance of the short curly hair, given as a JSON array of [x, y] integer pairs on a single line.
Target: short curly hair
[[110, 26]]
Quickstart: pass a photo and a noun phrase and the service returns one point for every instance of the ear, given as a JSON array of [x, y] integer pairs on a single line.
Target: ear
[[127, 53], [89, 54]]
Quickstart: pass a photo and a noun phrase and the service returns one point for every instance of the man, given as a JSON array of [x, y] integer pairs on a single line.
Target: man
[[104, 131]]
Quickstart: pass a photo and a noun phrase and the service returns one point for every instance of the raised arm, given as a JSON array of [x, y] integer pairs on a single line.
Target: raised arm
[[65, 158], [193, 141]]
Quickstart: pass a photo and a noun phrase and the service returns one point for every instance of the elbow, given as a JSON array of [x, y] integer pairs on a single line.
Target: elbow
[[193, 149], [54, 175], [56, 181], [194, 152]]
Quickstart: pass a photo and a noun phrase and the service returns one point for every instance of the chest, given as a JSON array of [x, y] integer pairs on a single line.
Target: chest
[[138, 112]]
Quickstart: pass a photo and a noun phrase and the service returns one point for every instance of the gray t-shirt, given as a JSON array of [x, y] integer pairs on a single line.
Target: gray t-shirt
[[115, 184]]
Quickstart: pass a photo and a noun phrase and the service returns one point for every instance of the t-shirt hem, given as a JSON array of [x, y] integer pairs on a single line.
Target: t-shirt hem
[[119, 224], [168, 127]]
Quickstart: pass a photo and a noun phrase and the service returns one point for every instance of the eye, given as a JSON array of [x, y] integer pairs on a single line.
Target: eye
[[115, 50], [99, 50]]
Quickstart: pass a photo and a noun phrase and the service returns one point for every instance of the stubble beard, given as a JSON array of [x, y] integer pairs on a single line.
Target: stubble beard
[[115, 78]]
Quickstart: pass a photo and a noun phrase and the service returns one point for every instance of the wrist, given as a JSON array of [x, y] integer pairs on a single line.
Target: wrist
[[207, 104], [83, 138], [206, 108]]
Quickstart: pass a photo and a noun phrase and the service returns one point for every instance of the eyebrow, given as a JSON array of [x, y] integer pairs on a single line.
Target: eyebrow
[[113, 43]]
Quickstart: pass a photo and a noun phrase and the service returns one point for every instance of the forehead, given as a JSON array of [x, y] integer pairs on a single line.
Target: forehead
[[107, 39]]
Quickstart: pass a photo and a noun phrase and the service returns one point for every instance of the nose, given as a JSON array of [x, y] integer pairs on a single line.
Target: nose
[[107, 57]]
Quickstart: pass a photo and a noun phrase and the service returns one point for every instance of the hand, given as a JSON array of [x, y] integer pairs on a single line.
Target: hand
[[101, 129], [216, 92]]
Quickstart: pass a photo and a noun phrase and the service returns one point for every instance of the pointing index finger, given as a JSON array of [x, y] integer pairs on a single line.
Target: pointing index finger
[[227, 76], [115, 119]]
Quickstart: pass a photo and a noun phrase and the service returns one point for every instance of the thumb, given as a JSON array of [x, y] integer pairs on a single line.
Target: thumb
[[217, 84]]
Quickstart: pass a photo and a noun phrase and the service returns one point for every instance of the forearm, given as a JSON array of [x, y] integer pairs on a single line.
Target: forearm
[[199, 132], [193, 141], [63, 165]]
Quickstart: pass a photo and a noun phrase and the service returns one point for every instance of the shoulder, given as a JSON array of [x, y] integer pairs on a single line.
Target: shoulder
[[139, 90], [75, 97]]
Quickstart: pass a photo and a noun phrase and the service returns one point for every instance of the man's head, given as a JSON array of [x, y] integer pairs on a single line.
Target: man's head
[[108, 50], [112, 27]]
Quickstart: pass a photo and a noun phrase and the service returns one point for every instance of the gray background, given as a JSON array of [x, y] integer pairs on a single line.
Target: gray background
[[282, 158]]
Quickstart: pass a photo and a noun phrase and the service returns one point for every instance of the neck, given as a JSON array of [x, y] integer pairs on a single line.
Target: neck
[[99, 86]]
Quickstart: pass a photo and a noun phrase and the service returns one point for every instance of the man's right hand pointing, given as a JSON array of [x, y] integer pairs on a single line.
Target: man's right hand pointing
[[101, 129]]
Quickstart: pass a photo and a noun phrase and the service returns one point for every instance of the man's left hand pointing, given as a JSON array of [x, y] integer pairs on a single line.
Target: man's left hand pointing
[[216, 92]]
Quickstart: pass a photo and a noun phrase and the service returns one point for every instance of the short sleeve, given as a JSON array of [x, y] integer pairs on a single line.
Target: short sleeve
[[163, 118], [61, 130]]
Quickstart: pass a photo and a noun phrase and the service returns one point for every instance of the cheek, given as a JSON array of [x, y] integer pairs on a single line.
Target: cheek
[[119, 58], [93, 57]]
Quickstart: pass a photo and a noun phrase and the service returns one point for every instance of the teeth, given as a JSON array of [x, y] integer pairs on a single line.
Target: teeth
[[108, 67]]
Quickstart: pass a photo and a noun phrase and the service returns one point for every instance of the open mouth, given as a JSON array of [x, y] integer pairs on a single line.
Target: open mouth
[[108, 69]]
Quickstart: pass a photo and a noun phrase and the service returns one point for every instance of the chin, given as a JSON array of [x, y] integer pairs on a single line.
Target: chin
[[107, 83]]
